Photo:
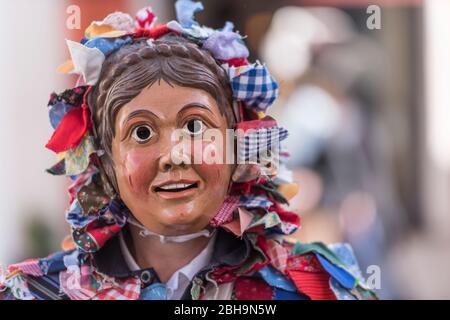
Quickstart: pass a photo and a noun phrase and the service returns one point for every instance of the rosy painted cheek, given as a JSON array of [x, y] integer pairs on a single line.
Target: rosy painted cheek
[[138, 169], [213, 170], [208, 152]]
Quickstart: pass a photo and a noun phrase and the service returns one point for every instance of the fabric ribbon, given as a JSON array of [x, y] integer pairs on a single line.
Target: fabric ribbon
[[71, 129]]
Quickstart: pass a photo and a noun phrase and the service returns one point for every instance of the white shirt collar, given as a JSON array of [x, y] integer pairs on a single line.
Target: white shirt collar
[[181, 278]]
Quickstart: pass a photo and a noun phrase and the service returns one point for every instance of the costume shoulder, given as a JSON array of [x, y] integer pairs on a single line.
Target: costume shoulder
[[35, 279], [326, 271], [299, 271]]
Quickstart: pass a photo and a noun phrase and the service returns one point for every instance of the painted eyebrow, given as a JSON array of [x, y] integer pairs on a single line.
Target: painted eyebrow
[[138, 113], [195, 105]]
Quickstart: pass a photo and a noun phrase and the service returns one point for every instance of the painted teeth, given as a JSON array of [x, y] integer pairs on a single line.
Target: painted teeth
[[175, 186]]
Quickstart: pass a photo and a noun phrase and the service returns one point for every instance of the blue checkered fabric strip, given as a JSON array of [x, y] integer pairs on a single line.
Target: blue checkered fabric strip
[[255, 202], [256, 142], [255, 87]]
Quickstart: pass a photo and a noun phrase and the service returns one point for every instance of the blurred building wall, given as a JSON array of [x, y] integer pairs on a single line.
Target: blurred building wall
[[28, 59], [436, 155], [33, 46]]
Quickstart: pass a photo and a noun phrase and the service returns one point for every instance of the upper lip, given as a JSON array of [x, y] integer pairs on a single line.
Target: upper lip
[[169, 182]]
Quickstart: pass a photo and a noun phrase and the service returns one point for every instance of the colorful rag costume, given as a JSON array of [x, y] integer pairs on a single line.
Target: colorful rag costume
[[250, 259]]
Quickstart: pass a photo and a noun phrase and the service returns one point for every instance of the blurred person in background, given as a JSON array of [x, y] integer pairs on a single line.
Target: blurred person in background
[[328, 70]]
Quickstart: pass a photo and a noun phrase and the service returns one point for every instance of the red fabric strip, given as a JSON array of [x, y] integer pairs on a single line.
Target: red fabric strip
[[266, 122], [236, 62], [315, 285], [247, 288], [71, 129]]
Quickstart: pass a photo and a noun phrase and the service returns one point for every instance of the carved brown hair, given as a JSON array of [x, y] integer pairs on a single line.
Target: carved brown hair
[[126, 72]]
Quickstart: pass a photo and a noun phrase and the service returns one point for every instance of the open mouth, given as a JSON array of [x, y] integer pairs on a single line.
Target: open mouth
[[176, 187]]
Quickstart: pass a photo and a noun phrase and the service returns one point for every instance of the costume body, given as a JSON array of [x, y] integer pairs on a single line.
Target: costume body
[[237, 271], [247, 257]]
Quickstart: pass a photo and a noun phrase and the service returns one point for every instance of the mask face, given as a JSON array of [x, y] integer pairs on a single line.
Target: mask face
[[170, 172]]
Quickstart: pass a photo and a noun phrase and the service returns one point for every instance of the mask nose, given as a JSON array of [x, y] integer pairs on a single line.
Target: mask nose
[[171, 159]]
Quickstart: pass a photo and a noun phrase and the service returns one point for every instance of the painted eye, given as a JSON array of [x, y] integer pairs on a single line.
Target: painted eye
[[142, 133], [194, 127]]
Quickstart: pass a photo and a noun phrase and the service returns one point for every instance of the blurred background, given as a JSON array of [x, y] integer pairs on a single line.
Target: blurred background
[[364, 93]]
